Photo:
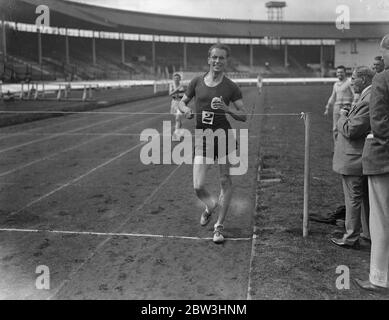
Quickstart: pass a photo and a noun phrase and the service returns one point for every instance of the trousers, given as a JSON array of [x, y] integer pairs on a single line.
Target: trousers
[[379, 229], [356, 199]]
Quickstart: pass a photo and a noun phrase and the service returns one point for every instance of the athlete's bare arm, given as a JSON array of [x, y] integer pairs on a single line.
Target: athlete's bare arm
[[174, 91], [240, 112], [331, 101], [183, 106]]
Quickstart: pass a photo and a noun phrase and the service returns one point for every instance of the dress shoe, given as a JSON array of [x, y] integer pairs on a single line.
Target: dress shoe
[[366, 239], [337, 233], [367, 285], [343, 244]]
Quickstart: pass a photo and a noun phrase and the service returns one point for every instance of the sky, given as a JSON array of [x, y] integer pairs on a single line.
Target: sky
[[296, 10]]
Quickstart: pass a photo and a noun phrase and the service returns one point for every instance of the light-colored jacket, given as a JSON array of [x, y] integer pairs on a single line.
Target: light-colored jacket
[[352, 132]]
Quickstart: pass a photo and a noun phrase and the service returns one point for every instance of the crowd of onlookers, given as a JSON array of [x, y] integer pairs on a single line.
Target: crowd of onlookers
[[361, 156]]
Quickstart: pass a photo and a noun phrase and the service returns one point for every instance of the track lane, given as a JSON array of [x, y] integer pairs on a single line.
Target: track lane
[[67, 127], [79, 206]]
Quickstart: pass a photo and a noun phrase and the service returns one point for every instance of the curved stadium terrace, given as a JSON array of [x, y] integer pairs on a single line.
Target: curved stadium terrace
[[126, 44]]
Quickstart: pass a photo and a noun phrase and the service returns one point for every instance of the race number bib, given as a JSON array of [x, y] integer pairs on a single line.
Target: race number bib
[[207, 117]]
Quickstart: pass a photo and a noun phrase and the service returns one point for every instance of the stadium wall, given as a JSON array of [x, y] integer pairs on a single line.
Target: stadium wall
[[353, 53]]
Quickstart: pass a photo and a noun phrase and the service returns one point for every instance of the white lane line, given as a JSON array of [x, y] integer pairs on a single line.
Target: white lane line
[[101, 244], [252, 255], [58, 135], [48, 157], [75, 130], [142, 113], [254, 238], [113, 133], [29, 131], [78, 178], [116, 234], [5, 135]]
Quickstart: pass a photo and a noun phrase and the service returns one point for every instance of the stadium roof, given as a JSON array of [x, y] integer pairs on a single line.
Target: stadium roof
[[79, 15]]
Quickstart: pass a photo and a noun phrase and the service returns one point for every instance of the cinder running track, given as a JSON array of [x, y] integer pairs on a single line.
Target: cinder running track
[[76, 198]]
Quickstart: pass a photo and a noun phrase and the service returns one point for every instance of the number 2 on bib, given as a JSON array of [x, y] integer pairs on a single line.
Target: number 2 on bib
[[207, 117]]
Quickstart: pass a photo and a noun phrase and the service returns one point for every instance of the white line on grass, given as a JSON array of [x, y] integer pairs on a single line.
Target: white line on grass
[[254, 236], [252, 255], [78, 178], [115, 234]]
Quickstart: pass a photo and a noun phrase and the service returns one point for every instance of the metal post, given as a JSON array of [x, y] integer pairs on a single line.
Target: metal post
[[185, 56], [40, 47], [322, 60], [22, 91], [123, 51], [307, 174], [67, 47], [251, 56], [286, 54], [94, 50], [4, 42], [153, 54]]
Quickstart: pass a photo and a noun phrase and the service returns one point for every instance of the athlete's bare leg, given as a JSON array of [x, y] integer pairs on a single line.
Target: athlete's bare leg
[[199, 175], [178, 123], [225, 192]]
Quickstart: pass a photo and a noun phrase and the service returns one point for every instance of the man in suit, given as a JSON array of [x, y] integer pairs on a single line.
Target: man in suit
[[353, 126], [375, 161]]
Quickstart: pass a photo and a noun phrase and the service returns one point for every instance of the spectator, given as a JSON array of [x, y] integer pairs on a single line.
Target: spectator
[[375, 161], [342, 96], [177, 91], [259, 83], [353, 126], [378, 65]]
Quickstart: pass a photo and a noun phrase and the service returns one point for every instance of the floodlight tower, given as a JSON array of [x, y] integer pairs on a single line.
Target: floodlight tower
[[275, 10]]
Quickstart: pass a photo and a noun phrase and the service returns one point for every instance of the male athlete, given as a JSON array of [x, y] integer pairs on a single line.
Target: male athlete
[[342, 97], [176, 92], [213, 93]]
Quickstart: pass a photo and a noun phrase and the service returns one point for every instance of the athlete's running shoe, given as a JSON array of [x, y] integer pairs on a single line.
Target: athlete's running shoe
[[218, 234], [206, 216]]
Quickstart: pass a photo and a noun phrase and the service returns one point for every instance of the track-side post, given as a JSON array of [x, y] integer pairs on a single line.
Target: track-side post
[[307, 173]]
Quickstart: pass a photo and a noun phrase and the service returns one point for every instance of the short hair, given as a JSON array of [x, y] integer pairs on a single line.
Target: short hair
[[341, 67], [364, 72], [220, 46], [385, 42], [177, 74], [379, 58]]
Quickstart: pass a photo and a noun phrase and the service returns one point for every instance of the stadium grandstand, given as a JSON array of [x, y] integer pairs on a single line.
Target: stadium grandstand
[[85, 42]]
